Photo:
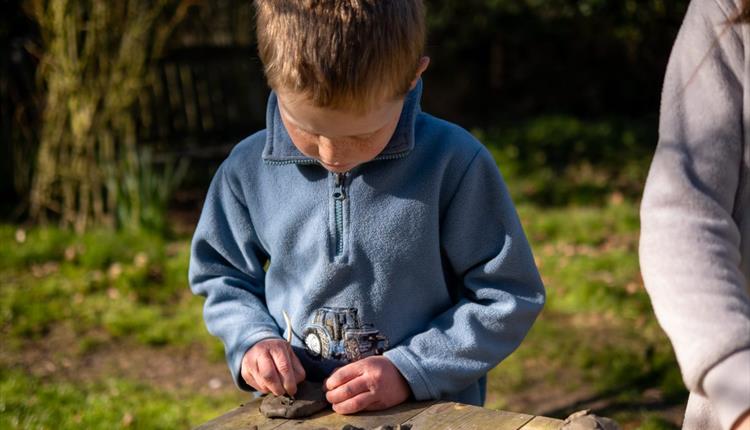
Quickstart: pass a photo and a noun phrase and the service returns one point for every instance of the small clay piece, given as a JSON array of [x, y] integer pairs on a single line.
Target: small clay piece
[[308, 400], [585, 420]]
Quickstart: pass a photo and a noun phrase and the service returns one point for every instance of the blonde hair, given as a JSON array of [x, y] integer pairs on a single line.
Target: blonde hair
[[341, 53]]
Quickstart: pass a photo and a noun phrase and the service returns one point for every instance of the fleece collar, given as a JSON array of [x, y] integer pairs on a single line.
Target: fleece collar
[[279, 146]]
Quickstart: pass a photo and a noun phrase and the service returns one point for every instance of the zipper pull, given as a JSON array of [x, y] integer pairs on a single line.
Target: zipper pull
[[338, 191]]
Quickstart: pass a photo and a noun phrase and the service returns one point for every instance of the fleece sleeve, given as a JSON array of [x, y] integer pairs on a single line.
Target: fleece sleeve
[[500, 290], [226, 266], [690, 243]]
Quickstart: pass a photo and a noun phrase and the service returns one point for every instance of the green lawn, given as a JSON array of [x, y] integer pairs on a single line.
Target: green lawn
[[101, 331], [29, 403]]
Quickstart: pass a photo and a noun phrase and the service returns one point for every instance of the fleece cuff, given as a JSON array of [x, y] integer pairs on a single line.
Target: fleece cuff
[[412, 372], [727, 386], [234, 357]]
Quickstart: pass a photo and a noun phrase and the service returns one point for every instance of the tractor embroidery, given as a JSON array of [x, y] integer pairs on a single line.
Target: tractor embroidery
[[338, 334]]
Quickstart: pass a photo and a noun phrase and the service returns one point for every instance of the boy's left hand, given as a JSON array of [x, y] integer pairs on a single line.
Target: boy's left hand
[[370, 384]]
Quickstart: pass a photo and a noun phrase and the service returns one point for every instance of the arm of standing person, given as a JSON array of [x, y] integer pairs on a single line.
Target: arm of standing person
[[226, 266], [690, 243], [500, 296]]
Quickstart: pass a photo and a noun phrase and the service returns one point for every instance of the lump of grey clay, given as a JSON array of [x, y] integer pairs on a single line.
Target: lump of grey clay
[[308, 400], [585, 420]]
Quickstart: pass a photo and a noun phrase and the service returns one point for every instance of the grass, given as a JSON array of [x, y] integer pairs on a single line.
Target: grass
[[597, 335], [127, 284], [29, 403], [596, 344], [107, 288], [558, 160]]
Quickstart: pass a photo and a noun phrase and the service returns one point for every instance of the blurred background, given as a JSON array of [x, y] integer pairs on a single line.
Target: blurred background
[[115, 115]]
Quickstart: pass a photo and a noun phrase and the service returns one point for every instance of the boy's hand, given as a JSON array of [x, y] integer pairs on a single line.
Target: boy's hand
[[369, 384], [271, 366]]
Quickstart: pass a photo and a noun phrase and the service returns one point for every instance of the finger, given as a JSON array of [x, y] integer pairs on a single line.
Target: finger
[[343, 375], [247, 376], [325, 380], [356, 403], [299, 370], [284, 368], [268, 376], [347, 391], [260, 385]]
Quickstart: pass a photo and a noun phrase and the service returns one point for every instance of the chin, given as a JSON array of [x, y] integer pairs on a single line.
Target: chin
[[339, 169]]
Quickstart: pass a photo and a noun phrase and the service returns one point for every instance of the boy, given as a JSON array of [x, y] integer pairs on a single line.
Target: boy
[[388, 235]]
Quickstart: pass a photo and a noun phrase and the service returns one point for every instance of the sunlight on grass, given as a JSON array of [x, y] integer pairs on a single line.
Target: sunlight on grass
[[597, 335], [29, 403], [128, 284]]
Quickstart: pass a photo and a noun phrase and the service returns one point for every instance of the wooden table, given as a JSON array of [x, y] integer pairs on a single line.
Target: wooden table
[[423, 415]]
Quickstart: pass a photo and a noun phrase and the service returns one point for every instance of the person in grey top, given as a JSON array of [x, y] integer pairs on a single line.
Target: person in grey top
[[695, 215]]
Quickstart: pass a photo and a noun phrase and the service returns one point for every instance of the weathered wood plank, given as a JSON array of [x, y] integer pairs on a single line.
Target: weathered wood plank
[[242, 418], [422, 415], [543, 423], [450, 416], [248, 415], [367, 420]]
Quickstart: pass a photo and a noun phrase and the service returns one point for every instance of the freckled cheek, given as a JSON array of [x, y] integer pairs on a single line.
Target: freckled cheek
[[305, 144]]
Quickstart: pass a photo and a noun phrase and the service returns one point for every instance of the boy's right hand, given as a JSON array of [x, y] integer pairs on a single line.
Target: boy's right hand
[[271, 366]]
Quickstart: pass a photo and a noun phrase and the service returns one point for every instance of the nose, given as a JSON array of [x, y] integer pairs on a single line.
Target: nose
[[329, 150]]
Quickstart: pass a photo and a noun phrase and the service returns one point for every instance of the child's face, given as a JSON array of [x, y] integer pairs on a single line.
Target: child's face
[[340, 140]]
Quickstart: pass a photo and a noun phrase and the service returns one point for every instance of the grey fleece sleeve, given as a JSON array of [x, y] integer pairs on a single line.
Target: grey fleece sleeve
[[226, 266], [690, 243]]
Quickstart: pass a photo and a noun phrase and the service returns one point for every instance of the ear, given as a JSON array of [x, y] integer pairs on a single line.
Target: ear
[[423, 63]]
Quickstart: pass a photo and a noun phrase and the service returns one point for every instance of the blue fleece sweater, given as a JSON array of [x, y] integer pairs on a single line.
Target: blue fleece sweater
[[419, 253]]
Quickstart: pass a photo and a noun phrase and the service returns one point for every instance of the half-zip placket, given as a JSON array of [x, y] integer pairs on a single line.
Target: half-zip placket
[[339, 195]]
